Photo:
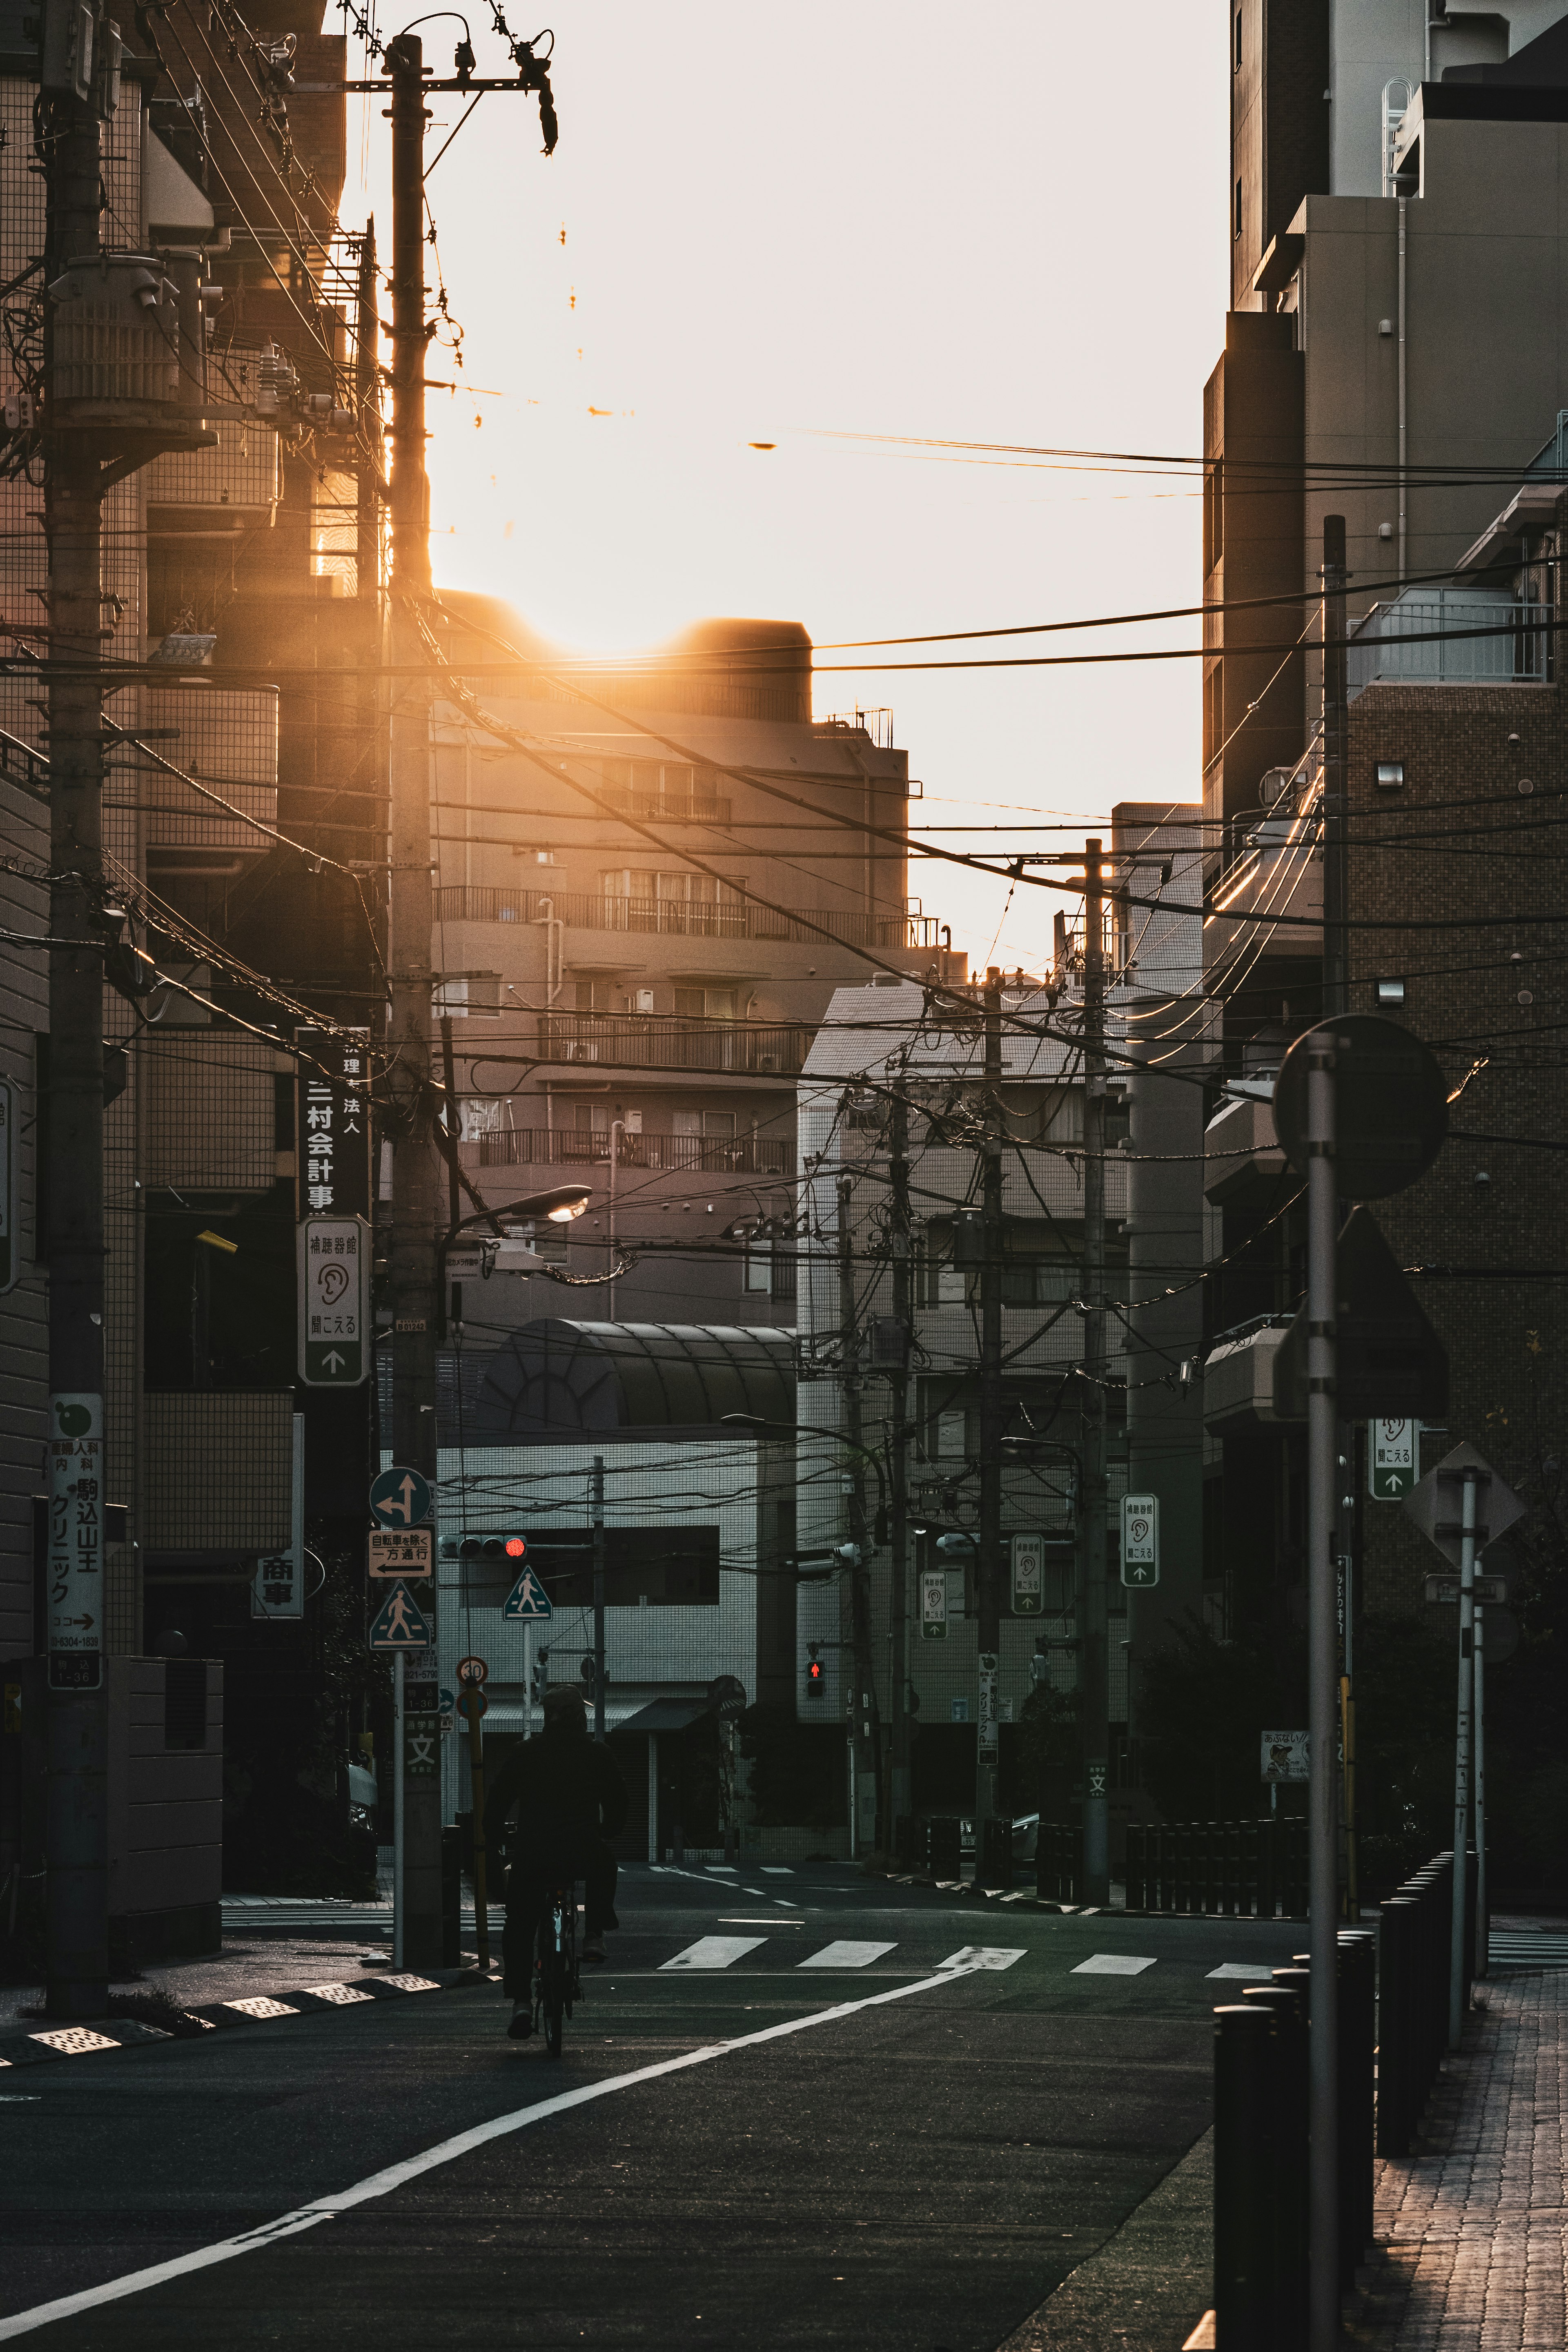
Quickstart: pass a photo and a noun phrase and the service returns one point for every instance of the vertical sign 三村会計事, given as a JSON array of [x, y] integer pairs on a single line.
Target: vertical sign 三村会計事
[[333, 1261], [332, 1123], [75, 1561], [1140, 1540], [934, 1604], [1391, 1459], [1028, 1575]]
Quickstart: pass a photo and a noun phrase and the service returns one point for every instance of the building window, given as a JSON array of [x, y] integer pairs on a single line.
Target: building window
[[1390, 775], [477, 1117], [1238, 40], [757, 1269], [705, 1003], [1391, 991], [1238, 208]]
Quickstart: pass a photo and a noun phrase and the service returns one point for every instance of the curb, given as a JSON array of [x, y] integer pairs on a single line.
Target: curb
[[51, 2042]]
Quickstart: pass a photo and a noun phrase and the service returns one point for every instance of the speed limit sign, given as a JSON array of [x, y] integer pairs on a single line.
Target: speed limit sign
[[472, 1670]]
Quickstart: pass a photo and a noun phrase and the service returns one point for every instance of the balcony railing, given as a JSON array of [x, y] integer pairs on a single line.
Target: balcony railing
[[1517, 651], [669, 808], [682, 917], [773, 1049], [532, 1147]]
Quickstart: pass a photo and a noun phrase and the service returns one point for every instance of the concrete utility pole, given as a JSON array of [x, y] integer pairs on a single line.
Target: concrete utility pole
[[77, 1928], [900, 1788], [1322, 1696], [599, 1598], [862, 1697], [1336, 730], [414, 1196], [1094, 1690], [989, 1564]]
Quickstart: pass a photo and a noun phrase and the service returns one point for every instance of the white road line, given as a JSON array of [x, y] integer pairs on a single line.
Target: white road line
[[1246, 1971], [774, 1870], [715, 1952], [446, 2151], [984, 1955], [1111, 1964], [847, 1955]]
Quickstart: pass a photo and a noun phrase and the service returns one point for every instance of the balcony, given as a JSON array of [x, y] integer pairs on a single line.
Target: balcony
[[229, 742], [683, 917], [1274, 870], [731, 1048], [536, 1147], [1418, 640], [1241, 1152], [1238, 1374], [669, 808]]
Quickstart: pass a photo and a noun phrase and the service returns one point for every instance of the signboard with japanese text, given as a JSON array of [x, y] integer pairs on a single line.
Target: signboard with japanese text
[[75, 1555], [934, 1604], [1391, 1459], [332, 1123], [400, 1551], [421, 1747], [1285, 1756], [1028, 1575], [990, 1668], [333, 1259], [278, 1588], [1140, 1539]]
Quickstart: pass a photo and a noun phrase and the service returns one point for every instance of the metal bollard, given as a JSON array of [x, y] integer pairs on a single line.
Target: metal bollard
[[1398, 1925], [1287, 2004], [1357, 2058], [1245, 2283]]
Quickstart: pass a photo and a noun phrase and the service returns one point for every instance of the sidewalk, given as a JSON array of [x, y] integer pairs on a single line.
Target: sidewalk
[[1472, 2229]]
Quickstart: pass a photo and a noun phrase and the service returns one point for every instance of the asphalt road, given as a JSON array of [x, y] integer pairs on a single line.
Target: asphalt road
[[919, 2173]]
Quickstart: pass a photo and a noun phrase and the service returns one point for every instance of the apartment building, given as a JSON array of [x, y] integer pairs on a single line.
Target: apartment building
[[1394, 230], [234, 556], [648, 892]]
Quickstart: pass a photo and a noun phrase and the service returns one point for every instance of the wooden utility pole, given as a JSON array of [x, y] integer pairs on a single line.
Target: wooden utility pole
[[415, 1190], [1094, 1692], [900, 1788]]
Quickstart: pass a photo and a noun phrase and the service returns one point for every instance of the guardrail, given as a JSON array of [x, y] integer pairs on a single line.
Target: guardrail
[[741, 1049], [1238, 1870], [1415, 1928], [531, 1147], [694, 919]]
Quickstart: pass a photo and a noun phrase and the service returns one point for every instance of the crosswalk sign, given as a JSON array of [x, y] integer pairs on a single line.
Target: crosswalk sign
[[528, 1598], [399, 1624]]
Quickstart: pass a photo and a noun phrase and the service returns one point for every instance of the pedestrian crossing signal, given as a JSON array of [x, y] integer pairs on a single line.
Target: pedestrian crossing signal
[[815, 1675]]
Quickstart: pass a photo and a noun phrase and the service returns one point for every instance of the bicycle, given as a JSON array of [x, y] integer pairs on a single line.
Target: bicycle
[[557, 1981]]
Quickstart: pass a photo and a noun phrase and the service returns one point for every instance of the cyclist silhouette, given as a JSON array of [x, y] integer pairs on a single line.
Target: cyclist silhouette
[[570, 1798]]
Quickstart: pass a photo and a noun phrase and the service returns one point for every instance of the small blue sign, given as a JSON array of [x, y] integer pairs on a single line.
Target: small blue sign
[[401, 1497], [399, 1624], [528, 1598]]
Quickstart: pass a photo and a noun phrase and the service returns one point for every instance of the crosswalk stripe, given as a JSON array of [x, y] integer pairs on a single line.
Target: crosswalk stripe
[[775, 1870], [847, 1955], [715, 1952], [984, 1955], [1113, 1964], [1247, 1971]]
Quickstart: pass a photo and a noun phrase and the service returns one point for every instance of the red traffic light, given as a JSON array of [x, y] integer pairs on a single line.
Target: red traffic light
[[515, 1547]]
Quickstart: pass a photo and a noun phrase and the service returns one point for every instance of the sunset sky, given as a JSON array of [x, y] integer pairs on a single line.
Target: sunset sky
[[1000, 225]]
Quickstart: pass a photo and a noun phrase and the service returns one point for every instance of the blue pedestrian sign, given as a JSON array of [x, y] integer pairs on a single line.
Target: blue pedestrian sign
[[399, 1624], [401, 1497], [528, 1598]]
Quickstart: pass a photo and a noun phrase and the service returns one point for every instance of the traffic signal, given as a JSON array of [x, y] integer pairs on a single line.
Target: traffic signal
[[816, 1673], [586, 1670], [491, 1547], [539, 1679]]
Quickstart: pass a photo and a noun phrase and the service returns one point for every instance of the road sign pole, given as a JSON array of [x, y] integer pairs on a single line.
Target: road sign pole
[[477, 1781], [397, 1952], [599, 1598], [1462, 1732], [1323, 1677], [1482, 1955]]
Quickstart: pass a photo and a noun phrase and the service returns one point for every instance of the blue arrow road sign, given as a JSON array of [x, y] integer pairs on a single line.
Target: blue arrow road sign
[[528, 1598], [401, 1497], [399, 1624]]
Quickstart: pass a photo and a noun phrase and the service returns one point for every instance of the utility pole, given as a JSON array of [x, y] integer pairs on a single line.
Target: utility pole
[[1094, 1692], [76, 1902], [1322, 1696], [862, 1695], [415, 1304], [988, 1570], [899, 1789], [1336, 728], [599, 1598]]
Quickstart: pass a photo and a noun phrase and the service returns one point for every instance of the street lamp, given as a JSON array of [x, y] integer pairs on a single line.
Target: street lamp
[[560, 1205]]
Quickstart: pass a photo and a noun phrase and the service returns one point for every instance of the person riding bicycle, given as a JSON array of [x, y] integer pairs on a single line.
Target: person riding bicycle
[[569, 1797]]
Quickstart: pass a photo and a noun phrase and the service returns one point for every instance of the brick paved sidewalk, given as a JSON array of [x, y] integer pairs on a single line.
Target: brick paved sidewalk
[[1472, 2229]]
